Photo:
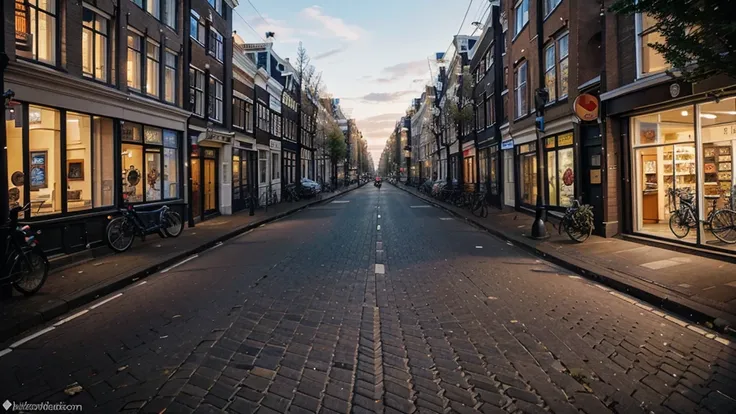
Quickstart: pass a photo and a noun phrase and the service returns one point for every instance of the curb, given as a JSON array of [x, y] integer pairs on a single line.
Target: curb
[[61, 306], [651, 292]]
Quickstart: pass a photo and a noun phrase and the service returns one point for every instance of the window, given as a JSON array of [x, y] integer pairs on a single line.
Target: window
[[520, 91], [153, 54], [527, 156], [479, 119], [550, 5], [40, 18], [263, 166], [276, 125], [550, 72], [134, 61], [196, 28], [154, 8], [103, 173], [503, 42], [196, 91], [171, 63], [521, 13], [215, 101], [494, 170], [78, 161], [649, 60], [560, 170], [562, 45], [490, 116], [44, 146], [94, 45], [249, 117], [171, 164], [169, 11], [241, 112], [215, 46], [138, 3], [263, 118], [275, 164], [217, 5], [147, 175]]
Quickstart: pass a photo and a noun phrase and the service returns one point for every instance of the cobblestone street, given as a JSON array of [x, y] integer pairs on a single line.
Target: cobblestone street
[[375, 302]]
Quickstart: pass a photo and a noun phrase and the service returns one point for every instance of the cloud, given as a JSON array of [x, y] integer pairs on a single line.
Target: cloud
[[384, 97], [330, 52], [335, 25], [419, 81], [384, 80], [400, 70]]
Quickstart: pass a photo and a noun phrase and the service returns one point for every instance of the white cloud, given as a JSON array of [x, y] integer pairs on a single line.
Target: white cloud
[[335, 25]]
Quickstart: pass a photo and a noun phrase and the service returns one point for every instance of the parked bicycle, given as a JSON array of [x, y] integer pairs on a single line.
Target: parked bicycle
[[268, 198], [25, 265], [577, 222], [290, 193], [122, 230], [720, 222]]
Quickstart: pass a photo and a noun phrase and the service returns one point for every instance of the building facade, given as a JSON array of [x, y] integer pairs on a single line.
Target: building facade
[[99, 117], [244, 151]]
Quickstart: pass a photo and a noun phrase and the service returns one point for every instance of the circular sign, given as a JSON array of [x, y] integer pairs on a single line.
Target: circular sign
[[586, 107], [674, 90], [17, 178], [133, 176]]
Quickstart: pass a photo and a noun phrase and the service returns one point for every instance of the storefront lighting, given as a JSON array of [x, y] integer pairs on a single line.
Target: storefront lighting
[[708, 116], [684, 113]]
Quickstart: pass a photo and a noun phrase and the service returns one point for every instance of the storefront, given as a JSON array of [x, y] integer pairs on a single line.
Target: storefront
[[64, 163], [509, 174], [204, 171], [526, 158], [560, 165], [244, 173], [469, 164]]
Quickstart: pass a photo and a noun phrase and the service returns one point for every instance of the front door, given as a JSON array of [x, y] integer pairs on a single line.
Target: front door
[[210, 185], [196, 187], [592, 177]]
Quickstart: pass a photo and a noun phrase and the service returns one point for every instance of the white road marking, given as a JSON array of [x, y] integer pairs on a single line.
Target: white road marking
[[445, 218], [340, 202], [732, 284], [422, 206], [141, 284], [31, 337], [380, 269], [379, 216], [5, 351], [478, 247], [97, 305], [75, 316], [573, 277], [219, 244], [180, 263], [378, 228]]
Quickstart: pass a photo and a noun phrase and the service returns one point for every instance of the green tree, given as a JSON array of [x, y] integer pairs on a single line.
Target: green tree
[[699, 36], [336, 148]]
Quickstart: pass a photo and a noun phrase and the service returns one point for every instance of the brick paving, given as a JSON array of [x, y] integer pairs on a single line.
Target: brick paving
[[293, 317]]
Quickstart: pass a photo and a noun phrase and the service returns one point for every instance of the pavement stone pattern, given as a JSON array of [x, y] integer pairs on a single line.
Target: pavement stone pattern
[[292, 317]]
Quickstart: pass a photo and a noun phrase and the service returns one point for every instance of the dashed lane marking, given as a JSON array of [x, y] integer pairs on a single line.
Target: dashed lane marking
[[180, 263], [141, 284], [378, 228], [340, 202], [478, 247], [379, 216], [219, 244], [380, 269], [5, 351], [111, 298], [70, 318], [445, 218], [422, 206], [31, 337]]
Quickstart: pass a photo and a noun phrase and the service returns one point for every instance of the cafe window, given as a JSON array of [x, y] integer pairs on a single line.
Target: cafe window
[[648, 60], [134, 61], [527, 156], [560, 170], [196, 91], [94, 45], [469, 170], [38, 25], [663, 159]]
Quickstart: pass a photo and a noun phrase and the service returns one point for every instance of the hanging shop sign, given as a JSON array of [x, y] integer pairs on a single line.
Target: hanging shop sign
[[507, 145], [587, 107]]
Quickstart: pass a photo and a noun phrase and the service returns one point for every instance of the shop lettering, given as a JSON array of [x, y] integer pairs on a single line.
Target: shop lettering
[[729, 130]]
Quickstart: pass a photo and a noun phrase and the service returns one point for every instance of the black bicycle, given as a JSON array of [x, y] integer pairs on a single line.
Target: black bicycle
[[720, 222], [25, 265], [122, 230], [577, 222]]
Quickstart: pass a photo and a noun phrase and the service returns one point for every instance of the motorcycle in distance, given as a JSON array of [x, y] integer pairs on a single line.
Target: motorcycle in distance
[[122, 230], [25, 265], [377, 183]]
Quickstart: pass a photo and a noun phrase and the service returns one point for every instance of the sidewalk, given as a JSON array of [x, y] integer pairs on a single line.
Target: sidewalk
[[75, 285], [700, 288]]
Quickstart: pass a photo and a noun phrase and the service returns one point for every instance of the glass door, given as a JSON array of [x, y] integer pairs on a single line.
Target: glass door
[[196, 187], [210, 184]]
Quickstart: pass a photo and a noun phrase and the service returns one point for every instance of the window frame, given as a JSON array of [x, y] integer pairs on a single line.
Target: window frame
[[165, 15], [518, 7], [201, 29], [141, 65], [520, 112], [213, 94], [549, 10], [560, 59], [640, 32], [33, 32], [95, 33], [216, 6], [156, 58], [194, 75], [216, 41], [552, 46], [175, 69]]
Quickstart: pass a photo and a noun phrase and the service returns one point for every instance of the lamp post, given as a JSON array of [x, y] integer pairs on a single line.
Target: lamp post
[[541, 97]]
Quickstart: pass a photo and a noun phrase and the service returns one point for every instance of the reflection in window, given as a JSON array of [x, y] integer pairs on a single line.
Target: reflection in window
[[152, 67], [45, 158], [132, 162], [134, 61], [78, 161]]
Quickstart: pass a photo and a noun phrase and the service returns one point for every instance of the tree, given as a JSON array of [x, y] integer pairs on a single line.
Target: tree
[[699, 36], [336, 148]]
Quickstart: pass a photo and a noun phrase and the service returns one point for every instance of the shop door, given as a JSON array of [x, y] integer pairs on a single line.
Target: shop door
[[592, 183], [196, 187], [210, 185]]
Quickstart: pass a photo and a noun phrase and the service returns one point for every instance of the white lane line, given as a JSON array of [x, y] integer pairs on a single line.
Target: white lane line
[[70, 318], [219, 244], [340, 202], [478, 247], [378, 228], [445, 218], [30, 337], [5, 351], [180, 263], [97, 305], [422, 206], [380, 269], [141, 284]]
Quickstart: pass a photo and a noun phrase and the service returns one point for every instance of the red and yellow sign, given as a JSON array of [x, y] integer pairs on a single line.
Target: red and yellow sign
[[587, 107]]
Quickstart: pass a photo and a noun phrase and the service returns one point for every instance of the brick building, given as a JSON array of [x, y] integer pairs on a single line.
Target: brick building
[[97, 119], [245, 154]]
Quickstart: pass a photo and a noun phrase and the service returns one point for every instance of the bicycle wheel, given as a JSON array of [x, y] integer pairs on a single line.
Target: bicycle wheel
[[30, 273], [679, 228], [723, 226], [175, 224], [120, 233], [578, 234]]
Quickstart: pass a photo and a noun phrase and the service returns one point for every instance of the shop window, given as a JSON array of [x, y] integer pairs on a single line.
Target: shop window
[[263, 166], [649, 60], [493, 161], [36, 27], [528, 172], [560, 170], [153, 56], [170, 78], [469, 170], [236, 177], [664, 159], [45, 158], [153, 174], [94, 45], [196, 91], [103, 174], [483, 166], [171, 164], [78, 161], [134, 61], [17, 179]]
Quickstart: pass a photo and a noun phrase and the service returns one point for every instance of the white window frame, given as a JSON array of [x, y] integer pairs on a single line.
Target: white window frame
[[215, 111], [217, 49], [197, 109], [520, 112], [550, 6], [560, 58], [216, 5], [519, 28], [201, 31], [639, 32]]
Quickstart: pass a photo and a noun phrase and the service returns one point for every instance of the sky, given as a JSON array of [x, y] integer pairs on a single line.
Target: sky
[[375, 56]]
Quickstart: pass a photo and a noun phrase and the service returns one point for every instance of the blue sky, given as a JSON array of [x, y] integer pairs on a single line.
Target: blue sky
[[372, 54]]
